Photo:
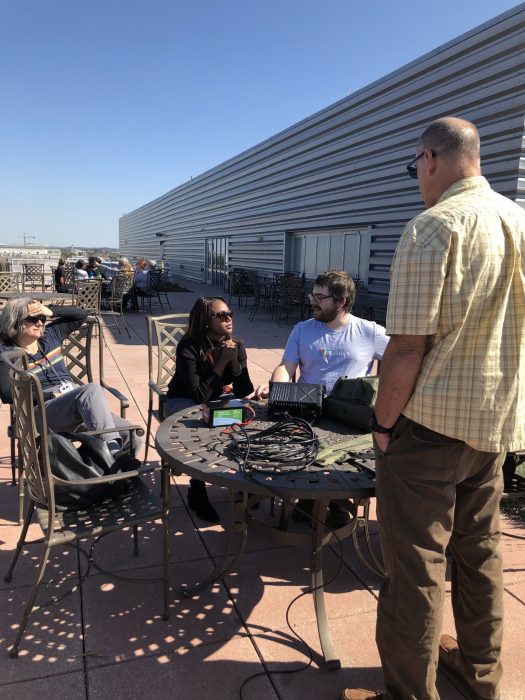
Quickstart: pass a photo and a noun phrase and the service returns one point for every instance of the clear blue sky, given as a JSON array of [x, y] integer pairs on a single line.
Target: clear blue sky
[[107, 104]]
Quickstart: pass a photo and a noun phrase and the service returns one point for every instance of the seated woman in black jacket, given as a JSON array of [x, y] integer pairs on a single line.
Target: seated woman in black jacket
[[208, 361]]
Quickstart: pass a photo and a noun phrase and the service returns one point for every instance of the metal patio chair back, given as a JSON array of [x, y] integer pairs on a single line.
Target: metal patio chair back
[[68, 527], [290, 297], [9, 282], [88, 294], [162, 288], [33, 277], [164, 333], [157, 286], [113, 305], [69, 277]]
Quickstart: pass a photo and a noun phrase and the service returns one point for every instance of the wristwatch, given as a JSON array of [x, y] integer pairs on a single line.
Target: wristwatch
[[375, 427]]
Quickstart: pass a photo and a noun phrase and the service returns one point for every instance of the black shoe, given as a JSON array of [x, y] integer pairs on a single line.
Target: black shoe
[[124, 462], [302, 512], [199, 503], [338, 516]]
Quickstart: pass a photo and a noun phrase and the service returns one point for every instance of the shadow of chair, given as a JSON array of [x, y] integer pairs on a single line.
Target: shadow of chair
[[33, 277], [132, 508], [113, 304], [164, 333]]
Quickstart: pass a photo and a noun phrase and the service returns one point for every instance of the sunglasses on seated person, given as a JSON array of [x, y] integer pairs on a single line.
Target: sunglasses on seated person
[[223, 315], [33, 320]]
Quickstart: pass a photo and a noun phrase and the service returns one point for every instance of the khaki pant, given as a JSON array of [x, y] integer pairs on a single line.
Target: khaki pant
[[435, 492]]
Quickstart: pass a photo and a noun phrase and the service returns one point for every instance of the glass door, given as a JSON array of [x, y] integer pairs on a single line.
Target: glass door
[[217, 261]]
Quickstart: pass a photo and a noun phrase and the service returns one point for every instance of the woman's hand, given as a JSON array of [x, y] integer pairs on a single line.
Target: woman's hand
[[35, 308], [228, 351]]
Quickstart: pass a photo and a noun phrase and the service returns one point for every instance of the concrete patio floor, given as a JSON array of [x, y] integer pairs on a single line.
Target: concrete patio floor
[[107, 640]]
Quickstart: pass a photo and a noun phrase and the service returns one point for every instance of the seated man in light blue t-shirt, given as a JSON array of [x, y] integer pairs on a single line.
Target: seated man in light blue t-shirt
[[330, 345], [333, 343]]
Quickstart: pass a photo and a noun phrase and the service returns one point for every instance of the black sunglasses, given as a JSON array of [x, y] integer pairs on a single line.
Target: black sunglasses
[[35, 319], [412, 167], [223, 315]]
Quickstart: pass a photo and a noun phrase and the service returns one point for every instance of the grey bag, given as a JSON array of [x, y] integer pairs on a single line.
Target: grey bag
[[352, 401]]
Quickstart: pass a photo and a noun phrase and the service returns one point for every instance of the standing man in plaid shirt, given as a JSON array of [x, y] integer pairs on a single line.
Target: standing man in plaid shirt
[[451, 403]]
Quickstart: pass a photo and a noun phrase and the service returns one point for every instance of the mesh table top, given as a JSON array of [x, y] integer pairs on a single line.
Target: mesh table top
[[191, 447]]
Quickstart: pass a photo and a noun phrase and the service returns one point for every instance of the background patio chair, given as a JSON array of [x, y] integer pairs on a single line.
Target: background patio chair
[[157, 286], [33, 277], [164, 333], [69, 277], [113, 305], [9, 282], [87, 295], [136, 506]]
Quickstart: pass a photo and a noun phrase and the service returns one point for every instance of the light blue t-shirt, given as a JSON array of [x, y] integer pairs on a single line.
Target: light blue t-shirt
[[324, 355]]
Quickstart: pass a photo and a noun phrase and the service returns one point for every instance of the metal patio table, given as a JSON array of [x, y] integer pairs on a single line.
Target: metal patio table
[[38, 296], [188, 446]]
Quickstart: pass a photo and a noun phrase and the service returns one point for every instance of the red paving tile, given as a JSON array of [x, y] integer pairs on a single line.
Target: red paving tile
[[108, 639]]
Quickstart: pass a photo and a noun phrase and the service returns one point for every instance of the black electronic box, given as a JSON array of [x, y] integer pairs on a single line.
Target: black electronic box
[[297, 400]]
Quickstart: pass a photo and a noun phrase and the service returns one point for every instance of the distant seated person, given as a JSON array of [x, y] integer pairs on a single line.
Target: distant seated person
[[332, 344], [125, 267], [60, 282], [27, 324], [208, 362], [94, 270], [141, 283], [80, 271]]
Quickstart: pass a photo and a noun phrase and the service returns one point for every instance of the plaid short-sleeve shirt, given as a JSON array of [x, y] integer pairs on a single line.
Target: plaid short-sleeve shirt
[[458, 277]]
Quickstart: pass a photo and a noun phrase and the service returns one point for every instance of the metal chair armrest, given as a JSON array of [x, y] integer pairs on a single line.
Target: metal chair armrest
[[161, 393], [127, 428], [124, 401]]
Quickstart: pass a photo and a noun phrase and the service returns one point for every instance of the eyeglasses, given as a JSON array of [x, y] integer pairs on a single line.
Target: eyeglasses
[[412, 167], [33, 320], [223, 315], [319, 297]]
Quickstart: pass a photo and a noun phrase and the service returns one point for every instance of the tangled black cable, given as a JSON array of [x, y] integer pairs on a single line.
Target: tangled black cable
[[289, 445]]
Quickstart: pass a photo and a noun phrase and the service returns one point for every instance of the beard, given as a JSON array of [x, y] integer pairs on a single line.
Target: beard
[[324, 315]]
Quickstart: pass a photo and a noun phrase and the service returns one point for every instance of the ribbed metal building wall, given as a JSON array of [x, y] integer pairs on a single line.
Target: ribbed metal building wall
[[344, 167]]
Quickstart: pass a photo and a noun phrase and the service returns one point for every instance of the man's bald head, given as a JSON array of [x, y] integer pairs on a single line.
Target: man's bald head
[[449, 149], [453, 138]]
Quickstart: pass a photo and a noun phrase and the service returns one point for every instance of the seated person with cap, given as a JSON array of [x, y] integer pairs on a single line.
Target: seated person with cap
[[332, 344]]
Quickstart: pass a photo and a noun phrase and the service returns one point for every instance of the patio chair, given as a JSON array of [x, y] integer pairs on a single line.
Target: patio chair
[[9, 282], [113, 305], [157, 286], [164, 333], [236, 286], [33, 277], [132, 508], [289, 298], [69, 278], [84, 360], [87, 295]]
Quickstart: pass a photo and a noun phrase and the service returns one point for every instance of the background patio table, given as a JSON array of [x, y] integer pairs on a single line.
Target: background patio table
[[38, 296]]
